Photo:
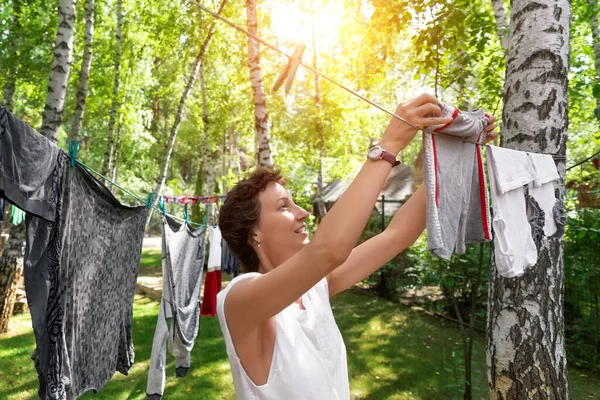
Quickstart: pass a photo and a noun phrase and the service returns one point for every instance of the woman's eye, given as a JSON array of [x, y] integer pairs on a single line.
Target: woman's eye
[[282, 207]]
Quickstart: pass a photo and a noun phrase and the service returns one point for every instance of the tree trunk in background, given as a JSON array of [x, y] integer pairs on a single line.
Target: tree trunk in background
[[320, 184], [261, 118], [525, 327], [61, 65], [501, 22], [595, 8], [107, 163], [11, 268], [164, 165], [84, 74], [203, 150], [12, 63]]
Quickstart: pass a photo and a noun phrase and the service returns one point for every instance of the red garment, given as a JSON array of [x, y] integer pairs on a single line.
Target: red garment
[[212, 286]]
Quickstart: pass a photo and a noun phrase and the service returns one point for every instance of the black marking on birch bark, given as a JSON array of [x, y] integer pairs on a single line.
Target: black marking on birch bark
[[555, 134], [553, 29], [531, 7], [518, 27], [507, 95], [557, 12], [517, 85], [519, 138], [63, 46], [527, 106], [541, 139], [544, 55], [527, 94], [547, 105]]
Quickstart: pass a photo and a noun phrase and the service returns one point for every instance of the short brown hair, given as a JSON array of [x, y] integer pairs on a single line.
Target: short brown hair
[[240, 214]]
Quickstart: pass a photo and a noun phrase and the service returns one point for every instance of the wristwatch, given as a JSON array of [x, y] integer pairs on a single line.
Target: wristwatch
[[378, 153]]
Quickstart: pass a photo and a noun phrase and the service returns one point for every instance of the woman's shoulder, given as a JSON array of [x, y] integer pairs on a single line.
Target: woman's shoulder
[[223, 293]]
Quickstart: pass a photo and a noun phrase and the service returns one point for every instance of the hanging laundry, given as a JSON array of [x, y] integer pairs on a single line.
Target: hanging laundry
[[183, 250], [31, 178], [542, 188], [229, 264], [16, 215], [102, 244], [2, 209], [28, 173], [457, 199], [212, 283], [509, 171]]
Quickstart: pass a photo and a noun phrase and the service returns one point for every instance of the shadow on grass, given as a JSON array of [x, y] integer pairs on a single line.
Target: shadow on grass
[[394, 353], [209, 376]]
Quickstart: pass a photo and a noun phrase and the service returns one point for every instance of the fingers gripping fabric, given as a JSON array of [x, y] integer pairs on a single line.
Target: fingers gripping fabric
[[457, 199]]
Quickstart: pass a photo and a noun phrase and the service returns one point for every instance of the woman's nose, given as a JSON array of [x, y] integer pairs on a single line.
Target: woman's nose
[[301, 213]]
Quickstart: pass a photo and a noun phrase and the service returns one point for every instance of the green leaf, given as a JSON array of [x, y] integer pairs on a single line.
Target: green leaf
[[596, 91]]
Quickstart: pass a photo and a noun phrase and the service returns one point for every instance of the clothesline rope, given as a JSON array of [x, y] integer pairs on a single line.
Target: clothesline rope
[[583, 161], [353, 92], [133, 195]]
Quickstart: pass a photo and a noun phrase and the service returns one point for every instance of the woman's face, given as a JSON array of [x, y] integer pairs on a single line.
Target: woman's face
[[281, 229]]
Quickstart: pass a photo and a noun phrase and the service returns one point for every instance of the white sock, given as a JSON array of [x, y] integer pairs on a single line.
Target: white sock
[[514, 248], [542, 189]]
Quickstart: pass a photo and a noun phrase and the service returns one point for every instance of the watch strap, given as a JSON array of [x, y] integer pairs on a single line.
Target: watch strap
[[389, 158]]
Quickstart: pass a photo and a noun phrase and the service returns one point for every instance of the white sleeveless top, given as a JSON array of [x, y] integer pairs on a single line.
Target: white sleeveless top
[[309, 358]]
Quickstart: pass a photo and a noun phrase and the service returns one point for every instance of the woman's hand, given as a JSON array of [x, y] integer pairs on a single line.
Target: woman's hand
[[491, 129], [422, 111]]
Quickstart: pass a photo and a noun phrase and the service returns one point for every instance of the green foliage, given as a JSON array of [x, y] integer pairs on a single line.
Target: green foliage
[[582, 288]]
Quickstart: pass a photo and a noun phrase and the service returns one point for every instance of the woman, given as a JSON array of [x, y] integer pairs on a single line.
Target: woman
[[281, 337]]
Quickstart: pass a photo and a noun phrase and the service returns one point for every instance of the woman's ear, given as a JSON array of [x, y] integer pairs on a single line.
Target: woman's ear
[[255, 238]]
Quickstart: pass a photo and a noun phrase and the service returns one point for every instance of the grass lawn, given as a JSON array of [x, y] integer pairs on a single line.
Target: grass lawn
[[393, 353], [151, 259]]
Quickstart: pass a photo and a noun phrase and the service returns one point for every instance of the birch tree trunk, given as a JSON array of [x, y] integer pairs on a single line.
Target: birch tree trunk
[[501, 22], [109, 150], [13, 62], [261, 117], [595, 8], [61, 65], [11, 268], [84, 74], [203, 149], [164, 165], [320, 184], [525, 327]]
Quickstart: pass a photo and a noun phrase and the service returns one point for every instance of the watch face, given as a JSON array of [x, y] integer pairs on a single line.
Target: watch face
[[375, 153]]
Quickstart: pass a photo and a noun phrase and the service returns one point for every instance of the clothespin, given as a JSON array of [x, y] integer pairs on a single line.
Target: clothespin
[[73, 147], [150, 200], [161, 205], [186, 215], [289, 71]]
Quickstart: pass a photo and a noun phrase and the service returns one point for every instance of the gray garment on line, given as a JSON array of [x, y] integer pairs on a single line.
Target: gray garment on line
[[27, 166], [158, 359], [457, 198], [102, 244], [183, 251], [42, 275], [31, 177]]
